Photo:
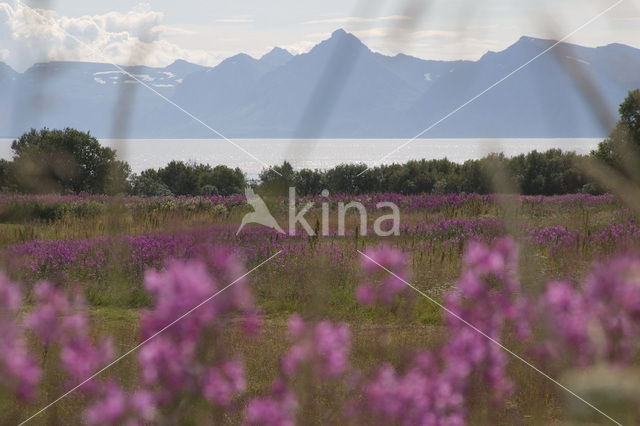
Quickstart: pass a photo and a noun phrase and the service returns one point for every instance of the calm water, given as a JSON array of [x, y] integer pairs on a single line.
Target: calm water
[[146, 153]]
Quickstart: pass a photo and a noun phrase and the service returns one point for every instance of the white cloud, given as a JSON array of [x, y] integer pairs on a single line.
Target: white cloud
[[300, 46], [358, 20], [234, 21], [208, 32], [435, 33], [37, 35]]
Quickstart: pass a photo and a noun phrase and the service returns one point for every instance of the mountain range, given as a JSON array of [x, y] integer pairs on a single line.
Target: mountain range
[[339, 89]]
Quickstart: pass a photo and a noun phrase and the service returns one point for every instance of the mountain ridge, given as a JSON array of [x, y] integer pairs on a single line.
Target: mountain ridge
[[339, 88]]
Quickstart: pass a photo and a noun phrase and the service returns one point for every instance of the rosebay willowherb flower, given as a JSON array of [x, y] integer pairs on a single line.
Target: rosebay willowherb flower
[[423, 395], [20, 372], [54, 317], [222, 383], [184, 358], [565, 314], [278, 409], [325, 346], [597, 320], [57, 320], [612, 294], [434, 389], [555, 237], [594, 321], [379, 285], [115, 406]]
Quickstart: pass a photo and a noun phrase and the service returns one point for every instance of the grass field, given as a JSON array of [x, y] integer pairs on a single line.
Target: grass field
[[102, 246]]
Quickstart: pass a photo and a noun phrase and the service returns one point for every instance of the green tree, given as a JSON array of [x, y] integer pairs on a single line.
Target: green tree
[[278, 179], [475, 177], [620, 150], [547, 173], [67, 161], [309, 182], [630, 115], [350, 179], [5, 174], [225, 180], [149, 184], [180, 178]]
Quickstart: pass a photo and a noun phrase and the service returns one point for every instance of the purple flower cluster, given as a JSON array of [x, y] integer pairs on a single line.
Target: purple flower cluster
[[18, 369], [325, 347], [555, 237], [416, 201], [322, 349], [140, 203], [566, 315], [599, 320], [488, 296], [433, 389], [88, 258], [445, 202], [278, 409], [187, 316], [568, 200], [422, 396], [429, 202], [615, 237], [389, 286], [113, 405], [223, 382], [176, 360], [57, 320], [612, 292], [619, 235], [453, 231], [55, 317]]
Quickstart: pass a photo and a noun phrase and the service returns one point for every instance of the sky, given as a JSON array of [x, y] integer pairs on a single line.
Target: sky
[[156, 33]]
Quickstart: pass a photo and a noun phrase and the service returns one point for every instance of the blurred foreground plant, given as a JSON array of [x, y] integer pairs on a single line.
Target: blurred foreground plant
[[186, 375]]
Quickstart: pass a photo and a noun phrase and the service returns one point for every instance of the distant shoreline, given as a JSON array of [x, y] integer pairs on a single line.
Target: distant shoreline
[[143, 154]]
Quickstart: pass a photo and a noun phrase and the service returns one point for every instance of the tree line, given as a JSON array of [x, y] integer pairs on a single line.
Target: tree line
[[70, 161]]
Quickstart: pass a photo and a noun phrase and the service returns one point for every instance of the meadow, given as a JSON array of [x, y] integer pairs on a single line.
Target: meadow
[[319, 332]]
